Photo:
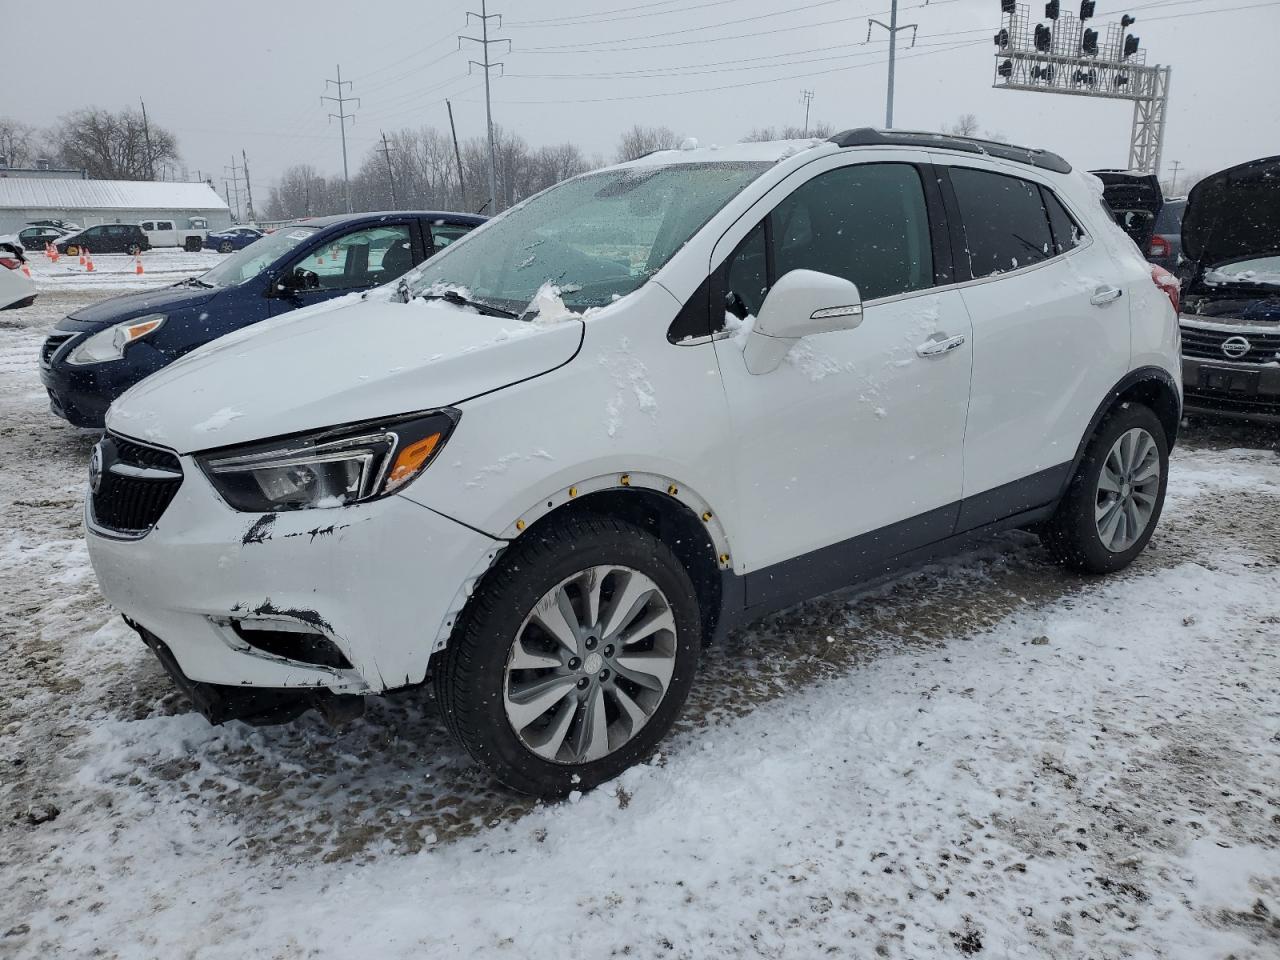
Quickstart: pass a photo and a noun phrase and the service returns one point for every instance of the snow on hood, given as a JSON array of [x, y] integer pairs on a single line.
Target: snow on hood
[[1234, 214], [345, 361]]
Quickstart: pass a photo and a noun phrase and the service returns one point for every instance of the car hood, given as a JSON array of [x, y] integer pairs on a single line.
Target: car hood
[[1234, 214], [321, 367], [108, 312]]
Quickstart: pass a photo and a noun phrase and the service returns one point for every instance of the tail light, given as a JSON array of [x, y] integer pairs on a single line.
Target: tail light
[[11, 263], [1168, 283], [1160, 247]]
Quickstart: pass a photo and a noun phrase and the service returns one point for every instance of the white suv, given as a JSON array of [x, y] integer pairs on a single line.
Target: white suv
[[641, 408]]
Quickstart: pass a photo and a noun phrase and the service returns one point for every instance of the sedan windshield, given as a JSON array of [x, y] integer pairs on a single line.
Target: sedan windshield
[[596, 237], [252, 260]]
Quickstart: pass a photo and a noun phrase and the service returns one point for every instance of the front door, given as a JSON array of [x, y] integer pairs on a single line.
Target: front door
[[363, 258], [851, 450]]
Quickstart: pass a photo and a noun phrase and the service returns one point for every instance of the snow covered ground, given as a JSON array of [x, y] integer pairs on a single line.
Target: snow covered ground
[[988, 757], [117, 272]]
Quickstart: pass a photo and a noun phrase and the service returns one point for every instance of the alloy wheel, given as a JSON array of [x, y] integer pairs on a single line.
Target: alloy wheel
[[1128, 488], [590, 664]]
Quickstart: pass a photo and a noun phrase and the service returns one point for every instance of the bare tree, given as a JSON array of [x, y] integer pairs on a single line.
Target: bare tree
[[639, 141], [112, 146], [966, 125], [17, 142], [818, 130]]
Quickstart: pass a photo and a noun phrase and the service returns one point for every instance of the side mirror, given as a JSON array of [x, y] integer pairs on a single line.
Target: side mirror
[[297, 280], [800, 304]]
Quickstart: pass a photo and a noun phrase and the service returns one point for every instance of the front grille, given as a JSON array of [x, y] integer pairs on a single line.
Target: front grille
[[132, 484], [1205, 343], [51, 345]]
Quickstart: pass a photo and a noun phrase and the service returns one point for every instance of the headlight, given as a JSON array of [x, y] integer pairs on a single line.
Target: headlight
[[329, 468], [109, 344]]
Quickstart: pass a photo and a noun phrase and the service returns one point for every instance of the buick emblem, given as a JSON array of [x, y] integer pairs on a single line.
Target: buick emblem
[[95, 469], [1236, 347]]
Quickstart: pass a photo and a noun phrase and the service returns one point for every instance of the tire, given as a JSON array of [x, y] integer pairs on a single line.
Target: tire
[[1093, 530], [133, 250], [485, 693], [71, 251], [225, 247]]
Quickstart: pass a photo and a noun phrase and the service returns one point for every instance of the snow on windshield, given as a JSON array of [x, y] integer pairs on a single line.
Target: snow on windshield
[[1261, 270], [594, 237]]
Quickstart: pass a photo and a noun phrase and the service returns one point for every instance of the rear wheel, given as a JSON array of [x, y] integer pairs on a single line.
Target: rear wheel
[[134, 250], [1114, 502], [573, 659], [225, 247]]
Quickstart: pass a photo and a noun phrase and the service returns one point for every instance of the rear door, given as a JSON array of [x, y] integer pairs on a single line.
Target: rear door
[[1050, 336]]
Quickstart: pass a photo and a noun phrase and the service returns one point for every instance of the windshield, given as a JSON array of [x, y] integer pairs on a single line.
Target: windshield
[[253, 259], [596, 237], [1259, 270]]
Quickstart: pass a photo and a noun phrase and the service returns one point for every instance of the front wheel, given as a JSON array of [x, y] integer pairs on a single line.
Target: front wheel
[[574, 657], [225, 247], [1114, 502]]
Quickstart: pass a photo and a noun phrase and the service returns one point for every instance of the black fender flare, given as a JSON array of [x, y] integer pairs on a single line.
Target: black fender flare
[[1149, 374]]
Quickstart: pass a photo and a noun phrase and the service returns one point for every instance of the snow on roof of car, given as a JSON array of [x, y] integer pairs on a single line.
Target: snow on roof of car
[[768, 151], [23, 193]]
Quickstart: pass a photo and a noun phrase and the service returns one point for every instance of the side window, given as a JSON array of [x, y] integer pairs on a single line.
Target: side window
[[867, 223], [362, 258], [443, 234], [164, 224], [1066, 232], [1005, 225], [147, 225], [116, 230]]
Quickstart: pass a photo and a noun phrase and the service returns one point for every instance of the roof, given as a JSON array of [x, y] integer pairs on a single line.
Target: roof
[[471, 218], [871, 137], [21, 193], [765, 151]]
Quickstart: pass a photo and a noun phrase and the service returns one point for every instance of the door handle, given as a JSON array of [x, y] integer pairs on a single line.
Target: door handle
[[937, 348], [1104, 295]]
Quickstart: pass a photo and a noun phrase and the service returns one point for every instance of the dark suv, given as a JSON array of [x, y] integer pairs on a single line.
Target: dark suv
[[98, 353], [106, 238]]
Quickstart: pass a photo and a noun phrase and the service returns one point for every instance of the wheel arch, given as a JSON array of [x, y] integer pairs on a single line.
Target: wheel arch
[[1153, 387], [670, 510]]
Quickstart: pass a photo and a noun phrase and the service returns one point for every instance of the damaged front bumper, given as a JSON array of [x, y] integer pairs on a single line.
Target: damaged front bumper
[[347, 601]]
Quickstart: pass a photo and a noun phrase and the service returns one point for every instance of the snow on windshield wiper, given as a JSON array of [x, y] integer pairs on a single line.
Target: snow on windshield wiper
[[454, 297], [195, 282]]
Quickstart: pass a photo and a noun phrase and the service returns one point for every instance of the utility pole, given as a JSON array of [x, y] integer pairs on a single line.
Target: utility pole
[[892, 28], [342, 117], [146, 134], [484, 16], [457, 155], [1173, 181], [391, 179], [807, 97], [248, 190], [235, 184]]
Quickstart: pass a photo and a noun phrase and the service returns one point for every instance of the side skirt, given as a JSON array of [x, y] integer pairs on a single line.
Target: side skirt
[[890, 549]]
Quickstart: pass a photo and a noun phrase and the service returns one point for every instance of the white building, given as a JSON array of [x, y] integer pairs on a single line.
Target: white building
[[89, 202]]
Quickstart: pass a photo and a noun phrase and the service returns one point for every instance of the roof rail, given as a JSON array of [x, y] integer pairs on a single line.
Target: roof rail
[[870, 137]]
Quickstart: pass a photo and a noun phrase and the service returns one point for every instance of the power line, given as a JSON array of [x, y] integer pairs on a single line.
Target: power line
[[342, 117], [607, 17]]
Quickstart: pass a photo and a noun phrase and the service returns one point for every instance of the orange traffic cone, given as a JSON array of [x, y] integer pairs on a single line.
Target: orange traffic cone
[[48, 250], [137, 264], [82, 253], [88, 262]]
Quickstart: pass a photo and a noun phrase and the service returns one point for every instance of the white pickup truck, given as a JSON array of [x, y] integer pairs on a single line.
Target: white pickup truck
[[169, 233]]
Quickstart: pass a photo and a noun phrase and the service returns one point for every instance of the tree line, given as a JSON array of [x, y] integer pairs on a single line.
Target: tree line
[[106, 144]]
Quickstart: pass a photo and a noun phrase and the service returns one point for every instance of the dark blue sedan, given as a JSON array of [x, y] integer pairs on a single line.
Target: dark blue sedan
[[99, 352], [232, 239]]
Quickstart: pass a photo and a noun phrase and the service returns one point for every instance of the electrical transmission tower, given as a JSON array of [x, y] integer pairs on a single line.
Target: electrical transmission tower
[[484, 16], [1067, 57], [248, 190], [807, 97], [234, 172], [892, 28], [342, 117]]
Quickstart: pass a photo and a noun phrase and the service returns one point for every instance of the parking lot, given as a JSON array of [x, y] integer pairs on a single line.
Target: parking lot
[[988, 756]]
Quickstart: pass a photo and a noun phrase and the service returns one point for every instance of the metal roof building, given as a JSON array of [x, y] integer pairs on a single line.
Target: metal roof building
[[89, 202]]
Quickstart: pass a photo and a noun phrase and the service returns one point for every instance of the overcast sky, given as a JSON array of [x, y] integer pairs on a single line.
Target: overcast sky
[[249, 75]]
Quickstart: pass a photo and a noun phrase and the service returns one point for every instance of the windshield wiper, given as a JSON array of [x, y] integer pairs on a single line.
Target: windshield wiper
[[457, 299], [195, 282]]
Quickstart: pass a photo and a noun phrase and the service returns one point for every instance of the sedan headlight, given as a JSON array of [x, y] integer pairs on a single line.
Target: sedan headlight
[[329, 468], [109, 344]]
